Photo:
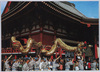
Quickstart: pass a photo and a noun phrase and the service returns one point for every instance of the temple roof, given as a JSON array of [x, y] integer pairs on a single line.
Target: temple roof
[[65, 8]]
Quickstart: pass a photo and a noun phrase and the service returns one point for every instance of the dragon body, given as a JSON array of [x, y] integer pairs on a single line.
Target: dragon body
[[38, 45]]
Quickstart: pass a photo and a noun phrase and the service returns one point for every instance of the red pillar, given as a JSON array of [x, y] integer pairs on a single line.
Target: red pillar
[[15, 57], [60, 53], [96, 53]]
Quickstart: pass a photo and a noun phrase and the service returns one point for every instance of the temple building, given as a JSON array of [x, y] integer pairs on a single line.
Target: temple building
[[44, 22]]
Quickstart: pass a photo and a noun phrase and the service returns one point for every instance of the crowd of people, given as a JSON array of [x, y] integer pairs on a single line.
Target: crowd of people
[[47, 64]]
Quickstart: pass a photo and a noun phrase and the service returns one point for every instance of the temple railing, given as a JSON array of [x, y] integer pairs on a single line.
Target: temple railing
[[11, 50]]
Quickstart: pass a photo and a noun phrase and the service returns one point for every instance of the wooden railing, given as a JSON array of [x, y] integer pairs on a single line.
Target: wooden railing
[[11, 50]]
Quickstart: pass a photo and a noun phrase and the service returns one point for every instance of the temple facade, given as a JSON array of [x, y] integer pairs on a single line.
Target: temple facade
[[44, 22]]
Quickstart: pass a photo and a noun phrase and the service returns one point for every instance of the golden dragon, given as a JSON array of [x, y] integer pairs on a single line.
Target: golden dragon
[[38, 45]]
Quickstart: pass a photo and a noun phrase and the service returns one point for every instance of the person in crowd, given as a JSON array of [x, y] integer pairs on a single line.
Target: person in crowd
[[93, 65], [37, 63], [20, 65], [55, 65], [89, 59], [26, 66], [76, 66], [89, 65], [50, 64], [81, 66], [45, 64], [7, 66], [31, 63], [2, 68], [67, 65], [97, 65], [41, 63], [15, 65], [61, 64], [85, 64]]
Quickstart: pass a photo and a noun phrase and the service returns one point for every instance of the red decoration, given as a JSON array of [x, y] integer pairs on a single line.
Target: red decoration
[[85, 42], [5, 56], [52, 57], [60, 53], [88, 25], [96, 55], [15, 57], [84, 47], [25, 40], [25, 55], [7, 7], [14, 42]]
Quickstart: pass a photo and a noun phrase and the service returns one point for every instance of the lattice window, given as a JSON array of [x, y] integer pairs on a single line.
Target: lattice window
[[51, 28], [23, 31], [64, 31], [37, 26], [59, 30], [33, 28], [46, 26], [27, 29]]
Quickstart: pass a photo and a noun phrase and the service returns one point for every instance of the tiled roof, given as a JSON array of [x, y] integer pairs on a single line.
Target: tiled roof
[[71, 8]]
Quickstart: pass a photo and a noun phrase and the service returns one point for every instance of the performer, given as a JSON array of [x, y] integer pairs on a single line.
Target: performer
[[7, 67], [31, 63], [76, 66], [25, 66], [37, 63], [81, 66], [50, 63], [45, 64], [15, 65], [41, 65], [55, 64], [67, 65]]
